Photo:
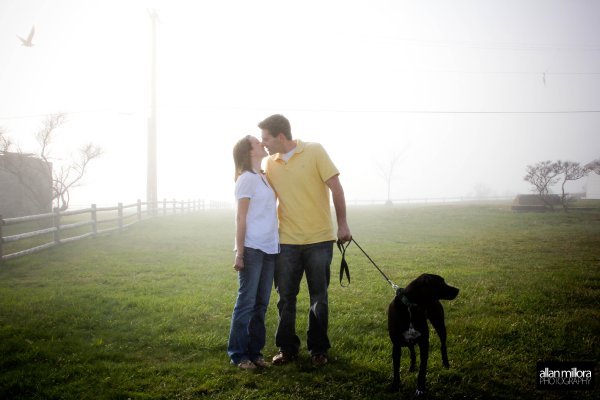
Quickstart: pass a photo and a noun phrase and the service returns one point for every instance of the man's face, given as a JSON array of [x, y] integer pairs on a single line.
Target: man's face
[[273, 144]]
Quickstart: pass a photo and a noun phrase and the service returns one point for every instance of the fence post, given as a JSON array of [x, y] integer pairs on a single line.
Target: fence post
[[56, 223], [151, 208], [139, 209], [1, 239], [120, 212], [94, 221]]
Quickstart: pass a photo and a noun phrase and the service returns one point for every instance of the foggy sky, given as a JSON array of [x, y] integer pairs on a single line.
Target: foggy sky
[[469, 91]]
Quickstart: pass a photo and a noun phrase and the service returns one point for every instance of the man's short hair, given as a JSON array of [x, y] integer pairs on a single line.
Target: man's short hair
[[276, 124]]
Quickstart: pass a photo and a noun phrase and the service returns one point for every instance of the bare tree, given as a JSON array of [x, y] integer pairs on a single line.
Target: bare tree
[[65, 176], [387, 171], [570, 171], [70, 176], [542, 175]]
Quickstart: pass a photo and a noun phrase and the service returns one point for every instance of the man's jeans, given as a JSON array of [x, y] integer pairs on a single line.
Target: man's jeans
[[292, 262], [247, 334]]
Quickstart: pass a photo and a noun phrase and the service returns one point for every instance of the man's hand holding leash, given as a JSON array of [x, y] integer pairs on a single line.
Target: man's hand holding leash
[[343, 234]]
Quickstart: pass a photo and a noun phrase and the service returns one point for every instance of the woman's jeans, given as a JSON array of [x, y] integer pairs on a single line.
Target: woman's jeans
[[247, 334], [292, 262]]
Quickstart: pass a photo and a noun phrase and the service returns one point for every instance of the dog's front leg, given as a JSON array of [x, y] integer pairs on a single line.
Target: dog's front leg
[[424, 356], [436, 316], [413, 358], [442, 333], [396, 352]]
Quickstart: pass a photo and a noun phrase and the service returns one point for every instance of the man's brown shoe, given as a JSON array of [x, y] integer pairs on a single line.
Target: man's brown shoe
[[283, 358]]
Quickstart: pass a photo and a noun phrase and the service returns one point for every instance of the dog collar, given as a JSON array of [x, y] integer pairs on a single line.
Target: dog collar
[[404, 299]]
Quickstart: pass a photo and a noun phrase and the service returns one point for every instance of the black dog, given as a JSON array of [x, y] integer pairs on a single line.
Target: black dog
[[407, 323]]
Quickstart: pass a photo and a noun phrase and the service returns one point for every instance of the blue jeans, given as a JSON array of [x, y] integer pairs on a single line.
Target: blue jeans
[[292, 262], [247, 333]]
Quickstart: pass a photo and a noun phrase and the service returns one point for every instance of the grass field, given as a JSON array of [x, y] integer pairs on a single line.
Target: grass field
[[145, 314]]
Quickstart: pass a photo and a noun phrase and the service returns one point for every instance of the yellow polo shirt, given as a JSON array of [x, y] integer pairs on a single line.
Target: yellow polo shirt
[[304, 209]]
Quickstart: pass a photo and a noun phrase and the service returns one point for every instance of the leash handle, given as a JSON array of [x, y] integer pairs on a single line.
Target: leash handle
[[344, 265]]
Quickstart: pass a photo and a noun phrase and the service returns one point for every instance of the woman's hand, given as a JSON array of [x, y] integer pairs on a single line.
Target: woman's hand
[[238, 264]]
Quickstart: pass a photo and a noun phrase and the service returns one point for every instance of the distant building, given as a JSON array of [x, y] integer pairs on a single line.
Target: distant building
[[533, 202], [25, 185], [592, 187]]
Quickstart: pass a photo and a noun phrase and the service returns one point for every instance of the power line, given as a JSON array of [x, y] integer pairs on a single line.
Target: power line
[[106, 111], [455, 71], [510, 46], [391, 111], [340, 110], [482, 112]]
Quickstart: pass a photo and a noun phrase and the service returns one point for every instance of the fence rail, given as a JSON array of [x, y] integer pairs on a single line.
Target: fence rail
[[123, 220], [428, 200]]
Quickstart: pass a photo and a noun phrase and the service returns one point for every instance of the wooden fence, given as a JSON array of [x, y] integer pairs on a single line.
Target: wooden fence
[[428, 200], [120, 217]]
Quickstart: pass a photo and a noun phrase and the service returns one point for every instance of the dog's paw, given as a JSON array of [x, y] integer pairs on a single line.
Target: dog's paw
[[445, 361], [420, 393]]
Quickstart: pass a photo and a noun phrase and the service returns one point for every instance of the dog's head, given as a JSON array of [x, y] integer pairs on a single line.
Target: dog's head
[[428, 288]]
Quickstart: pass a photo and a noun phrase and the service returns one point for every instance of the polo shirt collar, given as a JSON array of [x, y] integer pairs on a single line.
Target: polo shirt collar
[[298, 149]]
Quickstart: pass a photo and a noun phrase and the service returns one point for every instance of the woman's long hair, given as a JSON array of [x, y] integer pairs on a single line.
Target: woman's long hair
[[241, 156]]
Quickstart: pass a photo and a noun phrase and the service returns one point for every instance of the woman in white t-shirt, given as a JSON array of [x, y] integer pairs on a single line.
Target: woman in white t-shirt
[[257, 243]]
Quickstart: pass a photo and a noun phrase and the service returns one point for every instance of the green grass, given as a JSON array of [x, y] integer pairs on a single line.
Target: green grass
[[145, 314]]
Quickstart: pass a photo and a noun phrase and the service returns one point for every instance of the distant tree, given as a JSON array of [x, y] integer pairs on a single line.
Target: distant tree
[[387, 171], [542, 176], [65, 176], [482, 191], [570, 171]]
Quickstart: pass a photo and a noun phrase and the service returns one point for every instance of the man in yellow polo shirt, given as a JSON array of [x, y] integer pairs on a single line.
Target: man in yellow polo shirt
[[302, 175]]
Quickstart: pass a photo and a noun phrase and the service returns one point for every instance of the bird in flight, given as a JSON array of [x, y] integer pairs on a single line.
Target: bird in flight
[[27, 42]]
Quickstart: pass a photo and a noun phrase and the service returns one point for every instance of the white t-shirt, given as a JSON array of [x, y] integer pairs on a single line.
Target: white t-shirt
[[261, 221], [286, 157]]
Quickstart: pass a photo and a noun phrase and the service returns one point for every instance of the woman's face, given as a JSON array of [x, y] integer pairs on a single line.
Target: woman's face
[[258, 150]]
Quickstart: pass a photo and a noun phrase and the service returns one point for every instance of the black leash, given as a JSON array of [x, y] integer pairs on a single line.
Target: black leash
[[344, 265], [411, 335]]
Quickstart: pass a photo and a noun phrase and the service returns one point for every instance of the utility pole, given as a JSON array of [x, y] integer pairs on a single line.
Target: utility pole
[[151, 184]]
